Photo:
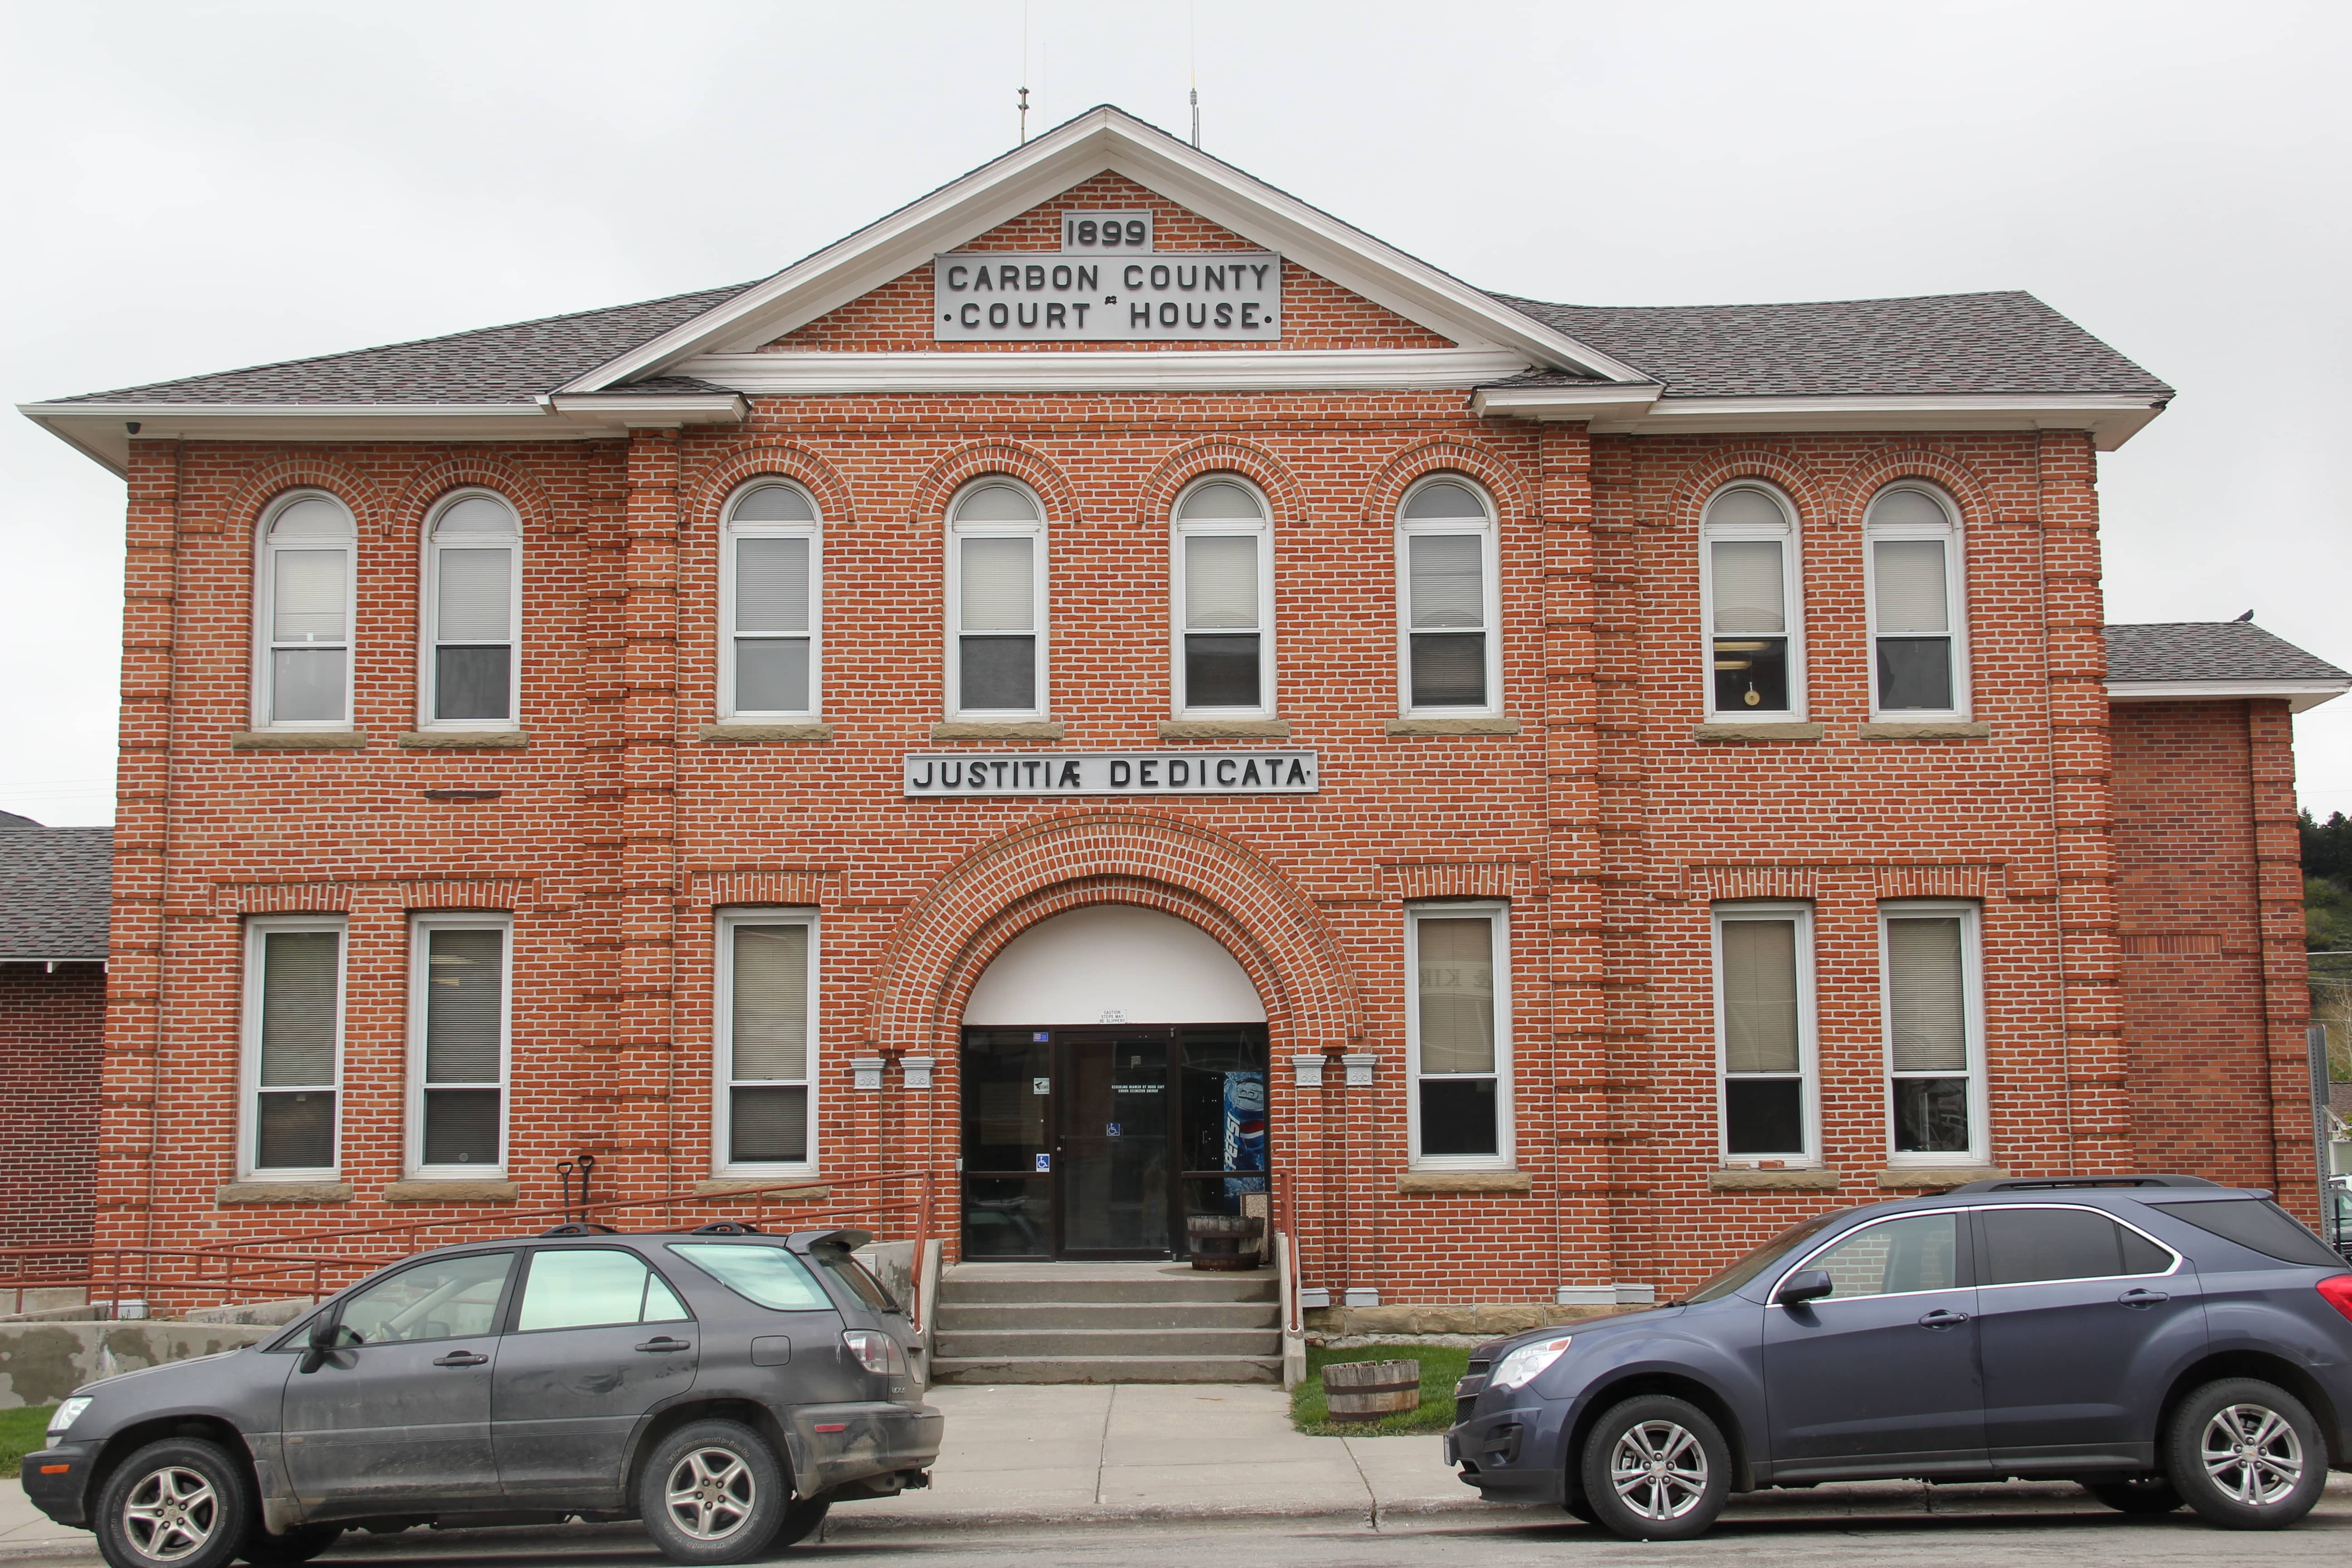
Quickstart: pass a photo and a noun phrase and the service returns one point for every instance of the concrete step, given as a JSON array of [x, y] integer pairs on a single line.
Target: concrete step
[[1109, 1369], [1132, 1315], [967, 1286], [1093, 1344]]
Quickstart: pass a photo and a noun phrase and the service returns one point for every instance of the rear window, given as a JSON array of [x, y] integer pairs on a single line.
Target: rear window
[[854, 1274], [764, 1276], [2026, 1245], [2259, 1224]]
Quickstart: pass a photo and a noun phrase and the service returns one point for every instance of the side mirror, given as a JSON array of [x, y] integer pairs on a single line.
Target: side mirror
[[1804, 1285], [325, 1332]]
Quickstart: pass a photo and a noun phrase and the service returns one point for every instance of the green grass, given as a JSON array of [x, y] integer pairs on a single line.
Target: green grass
[[21, 1432], [1441, 1368]]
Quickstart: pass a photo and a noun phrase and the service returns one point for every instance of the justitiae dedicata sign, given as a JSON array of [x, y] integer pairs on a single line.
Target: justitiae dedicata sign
[[1106, 284], [1111, 773]]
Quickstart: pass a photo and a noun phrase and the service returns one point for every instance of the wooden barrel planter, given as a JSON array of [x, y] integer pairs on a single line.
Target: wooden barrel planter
[[1368, 1390], [1224, 1241]]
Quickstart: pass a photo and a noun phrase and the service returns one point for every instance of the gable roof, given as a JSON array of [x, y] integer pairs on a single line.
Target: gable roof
[[57, 891], [2194, 659]]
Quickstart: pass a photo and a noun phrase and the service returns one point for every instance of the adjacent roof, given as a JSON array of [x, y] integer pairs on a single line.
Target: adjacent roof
[[10, 819], [2216, 659], [56, 894]]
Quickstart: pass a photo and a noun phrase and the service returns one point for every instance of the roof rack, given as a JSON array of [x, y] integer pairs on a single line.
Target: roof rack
[[726, 1228], [580, 1228], [2046, 1183]]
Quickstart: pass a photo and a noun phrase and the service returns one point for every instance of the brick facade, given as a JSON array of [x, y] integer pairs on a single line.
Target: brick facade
[[52, 1026]]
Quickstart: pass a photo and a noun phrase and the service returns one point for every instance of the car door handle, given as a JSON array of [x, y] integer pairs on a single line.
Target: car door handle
[[664, 1342], [461, 1358], [2137, 1298], [1943, 1318]]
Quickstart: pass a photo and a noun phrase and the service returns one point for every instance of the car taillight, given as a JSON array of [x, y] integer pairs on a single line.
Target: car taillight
[[2337, 1289], [877, 1352]]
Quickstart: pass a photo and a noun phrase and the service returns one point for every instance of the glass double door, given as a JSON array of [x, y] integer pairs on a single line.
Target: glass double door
[[1097, 1141]]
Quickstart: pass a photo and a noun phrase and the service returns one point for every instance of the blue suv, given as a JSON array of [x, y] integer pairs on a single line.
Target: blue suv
[[2159, 1338]]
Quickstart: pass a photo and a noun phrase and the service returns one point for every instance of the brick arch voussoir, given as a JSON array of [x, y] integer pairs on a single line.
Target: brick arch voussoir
[[1957, 480], [960, 467], [1219, 454], [1815, 496], [1441, 454], [425, 490], [728, 468], [310, 472]]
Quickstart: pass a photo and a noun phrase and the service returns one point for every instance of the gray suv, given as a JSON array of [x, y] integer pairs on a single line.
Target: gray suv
[[2161, 1339], [724, 1386]]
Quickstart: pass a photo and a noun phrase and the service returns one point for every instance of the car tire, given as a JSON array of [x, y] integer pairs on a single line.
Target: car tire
[[800, 1520], [1579, 1508], [1655, 1468], [2246, 1455], [179, 1503], [713, 1492], [2153, 1495], [264, 1549]]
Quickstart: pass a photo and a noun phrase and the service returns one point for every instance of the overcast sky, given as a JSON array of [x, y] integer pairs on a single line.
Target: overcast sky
[[194, 186]]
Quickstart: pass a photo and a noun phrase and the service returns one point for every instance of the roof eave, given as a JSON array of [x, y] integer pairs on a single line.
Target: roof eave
[[2110, 418], [2298, 695]]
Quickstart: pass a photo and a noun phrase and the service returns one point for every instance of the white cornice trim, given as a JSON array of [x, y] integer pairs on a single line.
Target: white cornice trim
[[1615, 400], [2112, 418], [2299, 695], [1170, 370], [1105, 139]]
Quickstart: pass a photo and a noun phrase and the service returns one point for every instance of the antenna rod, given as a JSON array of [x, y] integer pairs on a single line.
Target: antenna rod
[[1196, 117], [1024, 117]]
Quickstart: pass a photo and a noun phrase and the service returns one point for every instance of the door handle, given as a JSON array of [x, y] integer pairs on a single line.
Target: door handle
[[2142, 1298], [1943, 1318], [664, 1342], [461, 1358]]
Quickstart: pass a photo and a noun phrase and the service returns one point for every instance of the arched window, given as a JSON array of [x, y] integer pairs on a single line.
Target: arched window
[[996, 600], [473, 550], [1753, 607], [303, 583], [770, 602], [1450, 658], [1918, 608], [1224, 638]]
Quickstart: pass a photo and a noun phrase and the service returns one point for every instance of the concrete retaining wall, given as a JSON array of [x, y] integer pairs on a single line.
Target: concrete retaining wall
[[40, 1363]]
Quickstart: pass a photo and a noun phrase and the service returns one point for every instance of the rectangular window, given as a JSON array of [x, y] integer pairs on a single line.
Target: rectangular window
[[767, 987], [293, 1047], [1457, 1011], [1913, 611], [1748, 583], [1446, 603], [462, 971], [772, 587], [1764, 1030], [996, 599], [1222, 632], [473, 638], [1931, 998]]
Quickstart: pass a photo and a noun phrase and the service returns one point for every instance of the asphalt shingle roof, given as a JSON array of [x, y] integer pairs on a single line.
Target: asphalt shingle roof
[[2210, 650], [55, 892]]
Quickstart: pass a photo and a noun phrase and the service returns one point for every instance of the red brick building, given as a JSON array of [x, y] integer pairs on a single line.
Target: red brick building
[[1108, 684]]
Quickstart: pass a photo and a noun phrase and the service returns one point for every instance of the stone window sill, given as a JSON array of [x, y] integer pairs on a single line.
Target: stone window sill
[[1926, 730], [1466, 1181], [452, 1192], [728, 1186], [1730, 731], [1224, 729], [283, 1193], [994, 730], [1731, 1179], [298, 740], [504, 740], [1466, 724], [730, 731], [1913, 1177]]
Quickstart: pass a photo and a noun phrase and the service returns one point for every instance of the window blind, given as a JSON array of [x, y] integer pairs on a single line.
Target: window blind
[[476, 605], [298, 1009], [1220, 501], [1746, 508], [1926, 1000], [306, 602], [772, 584], [1911, 591], [1760, 996], [999, 585], [1444, 501], [1458, 995], [1448, 583], [997, 503], [1221, 581], [1747, 585], [476, 515], [464, 992], [1910, 507], [774, 503], [312, 519], [771, 1003]]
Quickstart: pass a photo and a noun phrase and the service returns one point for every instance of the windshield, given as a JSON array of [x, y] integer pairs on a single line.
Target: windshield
[[1763, 1258]]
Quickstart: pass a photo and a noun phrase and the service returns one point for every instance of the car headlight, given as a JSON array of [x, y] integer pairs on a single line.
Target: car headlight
[[1522, 1364], [65, 1415]]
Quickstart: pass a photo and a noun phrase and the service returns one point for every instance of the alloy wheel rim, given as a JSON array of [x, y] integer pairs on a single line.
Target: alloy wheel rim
[[170, 1513], [711, 1493], [1658, 1469], [2252, 1453]]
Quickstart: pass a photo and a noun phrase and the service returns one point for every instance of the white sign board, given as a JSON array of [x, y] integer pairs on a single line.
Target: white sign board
[[1201, 772], [1106, 284]]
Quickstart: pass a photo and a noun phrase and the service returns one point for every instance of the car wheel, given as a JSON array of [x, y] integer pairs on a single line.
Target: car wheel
[[2152, 1496], [713, 1493], [264, 1549], [1579, 1508], [800, 1520], [1655, 1468], [2246, 1455], [179, 1503]]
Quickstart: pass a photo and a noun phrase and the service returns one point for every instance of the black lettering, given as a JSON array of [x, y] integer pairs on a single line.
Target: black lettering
[[1119, 771], [1167, 313], [969, 313], [1135, 231], [1132, 278], [1070, 779], [1224, 313], [1086, 279], [1188, 278], [998, 315], [1249, 774], [1028, 315], [1008, 277], [958, 276], [1225, 771], [981, 278], [1110, 233], [924, 782], [1180, 773], [1081, 309], [1249, 313], [1147, 773], [1297, 773], [1034, 277], [1029, 772], [1260, 270], [1195, 315], [1085, 231], [1057, 315], [976, 777], [1160, 278], [1061, 277], [950, 775], [1212, 277], [1139, 315]]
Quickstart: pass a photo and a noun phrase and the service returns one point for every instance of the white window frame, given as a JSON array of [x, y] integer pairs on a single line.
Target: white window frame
[[1955, 595], [429, 615], [1505, 1157], [1971, 916], [729, 532], [723, 1060], [262, 699], [1808, 1097], [248, 1086], [1792, 597], [420, 929], [1490, 570], [1041, 616], [1180, 534]]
